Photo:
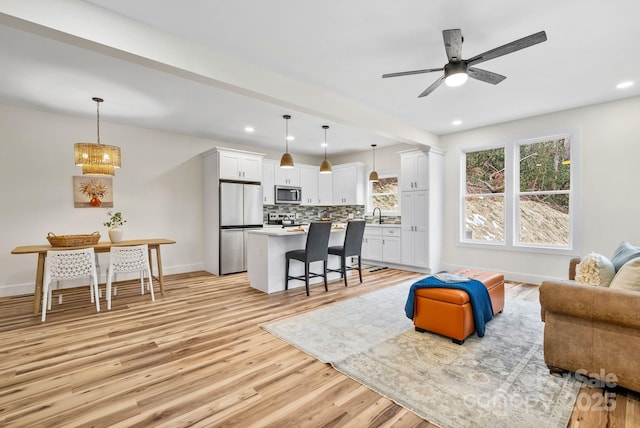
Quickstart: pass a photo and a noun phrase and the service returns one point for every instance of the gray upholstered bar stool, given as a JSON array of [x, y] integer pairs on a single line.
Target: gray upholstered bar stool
[[352, 247], [316, 249]]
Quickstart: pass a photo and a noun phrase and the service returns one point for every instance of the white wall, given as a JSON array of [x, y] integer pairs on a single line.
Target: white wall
[[158, 189], [608, 137], [387, 158]]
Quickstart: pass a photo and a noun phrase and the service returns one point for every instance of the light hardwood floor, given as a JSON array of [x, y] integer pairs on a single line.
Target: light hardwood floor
[[197, 357]]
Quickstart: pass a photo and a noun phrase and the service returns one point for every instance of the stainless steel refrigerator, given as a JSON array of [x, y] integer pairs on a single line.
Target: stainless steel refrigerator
[[240, 211]]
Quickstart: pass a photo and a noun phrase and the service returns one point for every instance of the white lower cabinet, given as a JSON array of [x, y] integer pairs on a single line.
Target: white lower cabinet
[[382, 243], [372, 245]]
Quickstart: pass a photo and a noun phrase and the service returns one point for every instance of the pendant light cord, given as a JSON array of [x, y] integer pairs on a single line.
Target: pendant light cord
[[374, 156], [286, 136], [325, 143], [98, 123]]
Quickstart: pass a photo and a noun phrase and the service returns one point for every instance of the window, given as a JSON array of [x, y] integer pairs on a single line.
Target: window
[[544, 192], [384, 194], [484, 199], [519, 195]]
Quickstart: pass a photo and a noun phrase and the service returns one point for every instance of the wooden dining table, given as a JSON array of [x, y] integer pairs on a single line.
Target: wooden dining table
[[100, 247]]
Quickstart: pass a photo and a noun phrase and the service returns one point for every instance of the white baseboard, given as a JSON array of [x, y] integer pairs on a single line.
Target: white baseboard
[[397, 266], [27, 288], [508, 276]]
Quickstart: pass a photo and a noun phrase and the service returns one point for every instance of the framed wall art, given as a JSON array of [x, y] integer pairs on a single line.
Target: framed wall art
[[92, 192]]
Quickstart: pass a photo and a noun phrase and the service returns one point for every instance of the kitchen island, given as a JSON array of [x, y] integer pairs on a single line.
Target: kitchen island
[[266, 249]]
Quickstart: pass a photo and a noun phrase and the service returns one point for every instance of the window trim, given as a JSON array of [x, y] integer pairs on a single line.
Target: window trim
[[398, 194], [512, 194]]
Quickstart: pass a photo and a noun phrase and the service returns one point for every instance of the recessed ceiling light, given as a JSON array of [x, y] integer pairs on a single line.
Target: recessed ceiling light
[[623, 85], [456, 122], [323, 144], [248, 129], [290, 138]]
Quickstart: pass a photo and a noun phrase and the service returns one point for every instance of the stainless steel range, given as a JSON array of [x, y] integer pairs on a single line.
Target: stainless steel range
[[284, 219]]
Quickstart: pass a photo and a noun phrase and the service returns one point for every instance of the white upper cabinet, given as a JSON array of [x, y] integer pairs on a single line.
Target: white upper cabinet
[[349, 184], [287, 176], [414, 170], [268, 191], [325, 189], [309, 184], [239, 165]]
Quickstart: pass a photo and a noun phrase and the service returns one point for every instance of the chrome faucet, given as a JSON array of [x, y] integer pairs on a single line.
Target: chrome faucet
[[379, 212]]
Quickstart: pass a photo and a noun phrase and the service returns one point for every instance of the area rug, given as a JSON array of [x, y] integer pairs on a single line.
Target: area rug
[[499, 380]]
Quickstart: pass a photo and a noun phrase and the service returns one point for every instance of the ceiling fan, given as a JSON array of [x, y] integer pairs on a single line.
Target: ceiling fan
[[457, 69]]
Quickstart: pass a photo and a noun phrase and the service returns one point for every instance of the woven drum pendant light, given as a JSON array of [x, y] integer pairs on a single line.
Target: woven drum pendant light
[[325, 166], [97, 159], [286, 161], [373, 177]]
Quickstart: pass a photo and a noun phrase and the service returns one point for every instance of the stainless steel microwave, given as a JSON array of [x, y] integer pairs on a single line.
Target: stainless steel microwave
[[288, 195]]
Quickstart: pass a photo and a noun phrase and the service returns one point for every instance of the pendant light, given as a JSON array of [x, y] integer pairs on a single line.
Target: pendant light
[[97, 159], [373, 177], [325, 166], [286, 161]]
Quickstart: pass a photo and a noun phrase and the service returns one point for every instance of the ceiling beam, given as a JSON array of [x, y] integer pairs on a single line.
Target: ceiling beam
[[82, 24]]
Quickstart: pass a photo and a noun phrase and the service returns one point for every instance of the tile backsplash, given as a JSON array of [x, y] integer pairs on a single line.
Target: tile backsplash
[[337, 213]]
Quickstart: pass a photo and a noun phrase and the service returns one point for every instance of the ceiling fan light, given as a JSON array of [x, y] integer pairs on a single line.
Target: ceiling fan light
[[457, 79]]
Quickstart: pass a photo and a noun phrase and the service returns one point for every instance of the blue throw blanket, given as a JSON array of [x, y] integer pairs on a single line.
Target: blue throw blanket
[[478, 296]]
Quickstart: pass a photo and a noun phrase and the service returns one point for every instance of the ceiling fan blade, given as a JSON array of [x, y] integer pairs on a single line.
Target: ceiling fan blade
[[431, 88], [485, 76], [514, 46], [453, 44], [407, 73]]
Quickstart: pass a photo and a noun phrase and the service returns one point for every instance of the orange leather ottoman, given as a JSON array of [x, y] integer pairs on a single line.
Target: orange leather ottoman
[[447, 311]]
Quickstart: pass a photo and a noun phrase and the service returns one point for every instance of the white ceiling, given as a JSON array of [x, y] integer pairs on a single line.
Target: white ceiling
[[208, 68]]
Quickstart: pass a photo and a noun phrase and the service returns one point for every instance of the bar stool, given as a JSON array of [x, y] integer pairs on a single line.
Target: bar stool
[[69, 264], [316, 249], [133, 258], [352, 247]]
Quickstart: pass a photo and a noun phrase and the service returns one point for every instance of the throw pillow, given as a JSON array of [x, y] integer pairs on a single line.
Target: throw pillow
[[595, 269], [628, 277], [623, 254]]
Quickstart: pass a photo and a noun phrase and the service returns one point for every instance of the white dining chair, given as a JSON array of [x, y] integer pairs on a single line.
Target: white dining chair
[[65, 265], [129, 259]]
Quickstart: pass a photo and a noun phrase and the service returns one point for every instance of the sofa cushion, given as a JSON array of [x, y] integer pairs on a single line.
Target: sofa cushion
[[595, 269], [628, 277], [623, 254]]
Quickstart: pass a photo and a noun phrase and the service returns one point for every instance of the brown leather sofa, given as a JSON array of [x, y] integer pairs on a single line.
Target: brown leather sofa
[[593, 331]]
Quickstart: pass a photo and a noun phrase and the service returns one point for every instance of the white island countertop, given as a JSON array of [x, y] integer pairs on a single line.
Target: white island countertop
[[266, 249], [289, 231]]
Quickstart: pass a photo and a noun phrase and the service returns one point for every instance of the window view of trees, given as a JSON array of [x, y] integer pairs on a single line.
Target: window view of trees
[[545, 183], [484, 202], [541, 178], [384, 193]]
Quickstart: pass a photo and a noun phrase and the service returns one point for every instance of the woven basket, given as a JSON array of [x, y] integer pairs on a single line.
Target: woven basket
[[72, 240]]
